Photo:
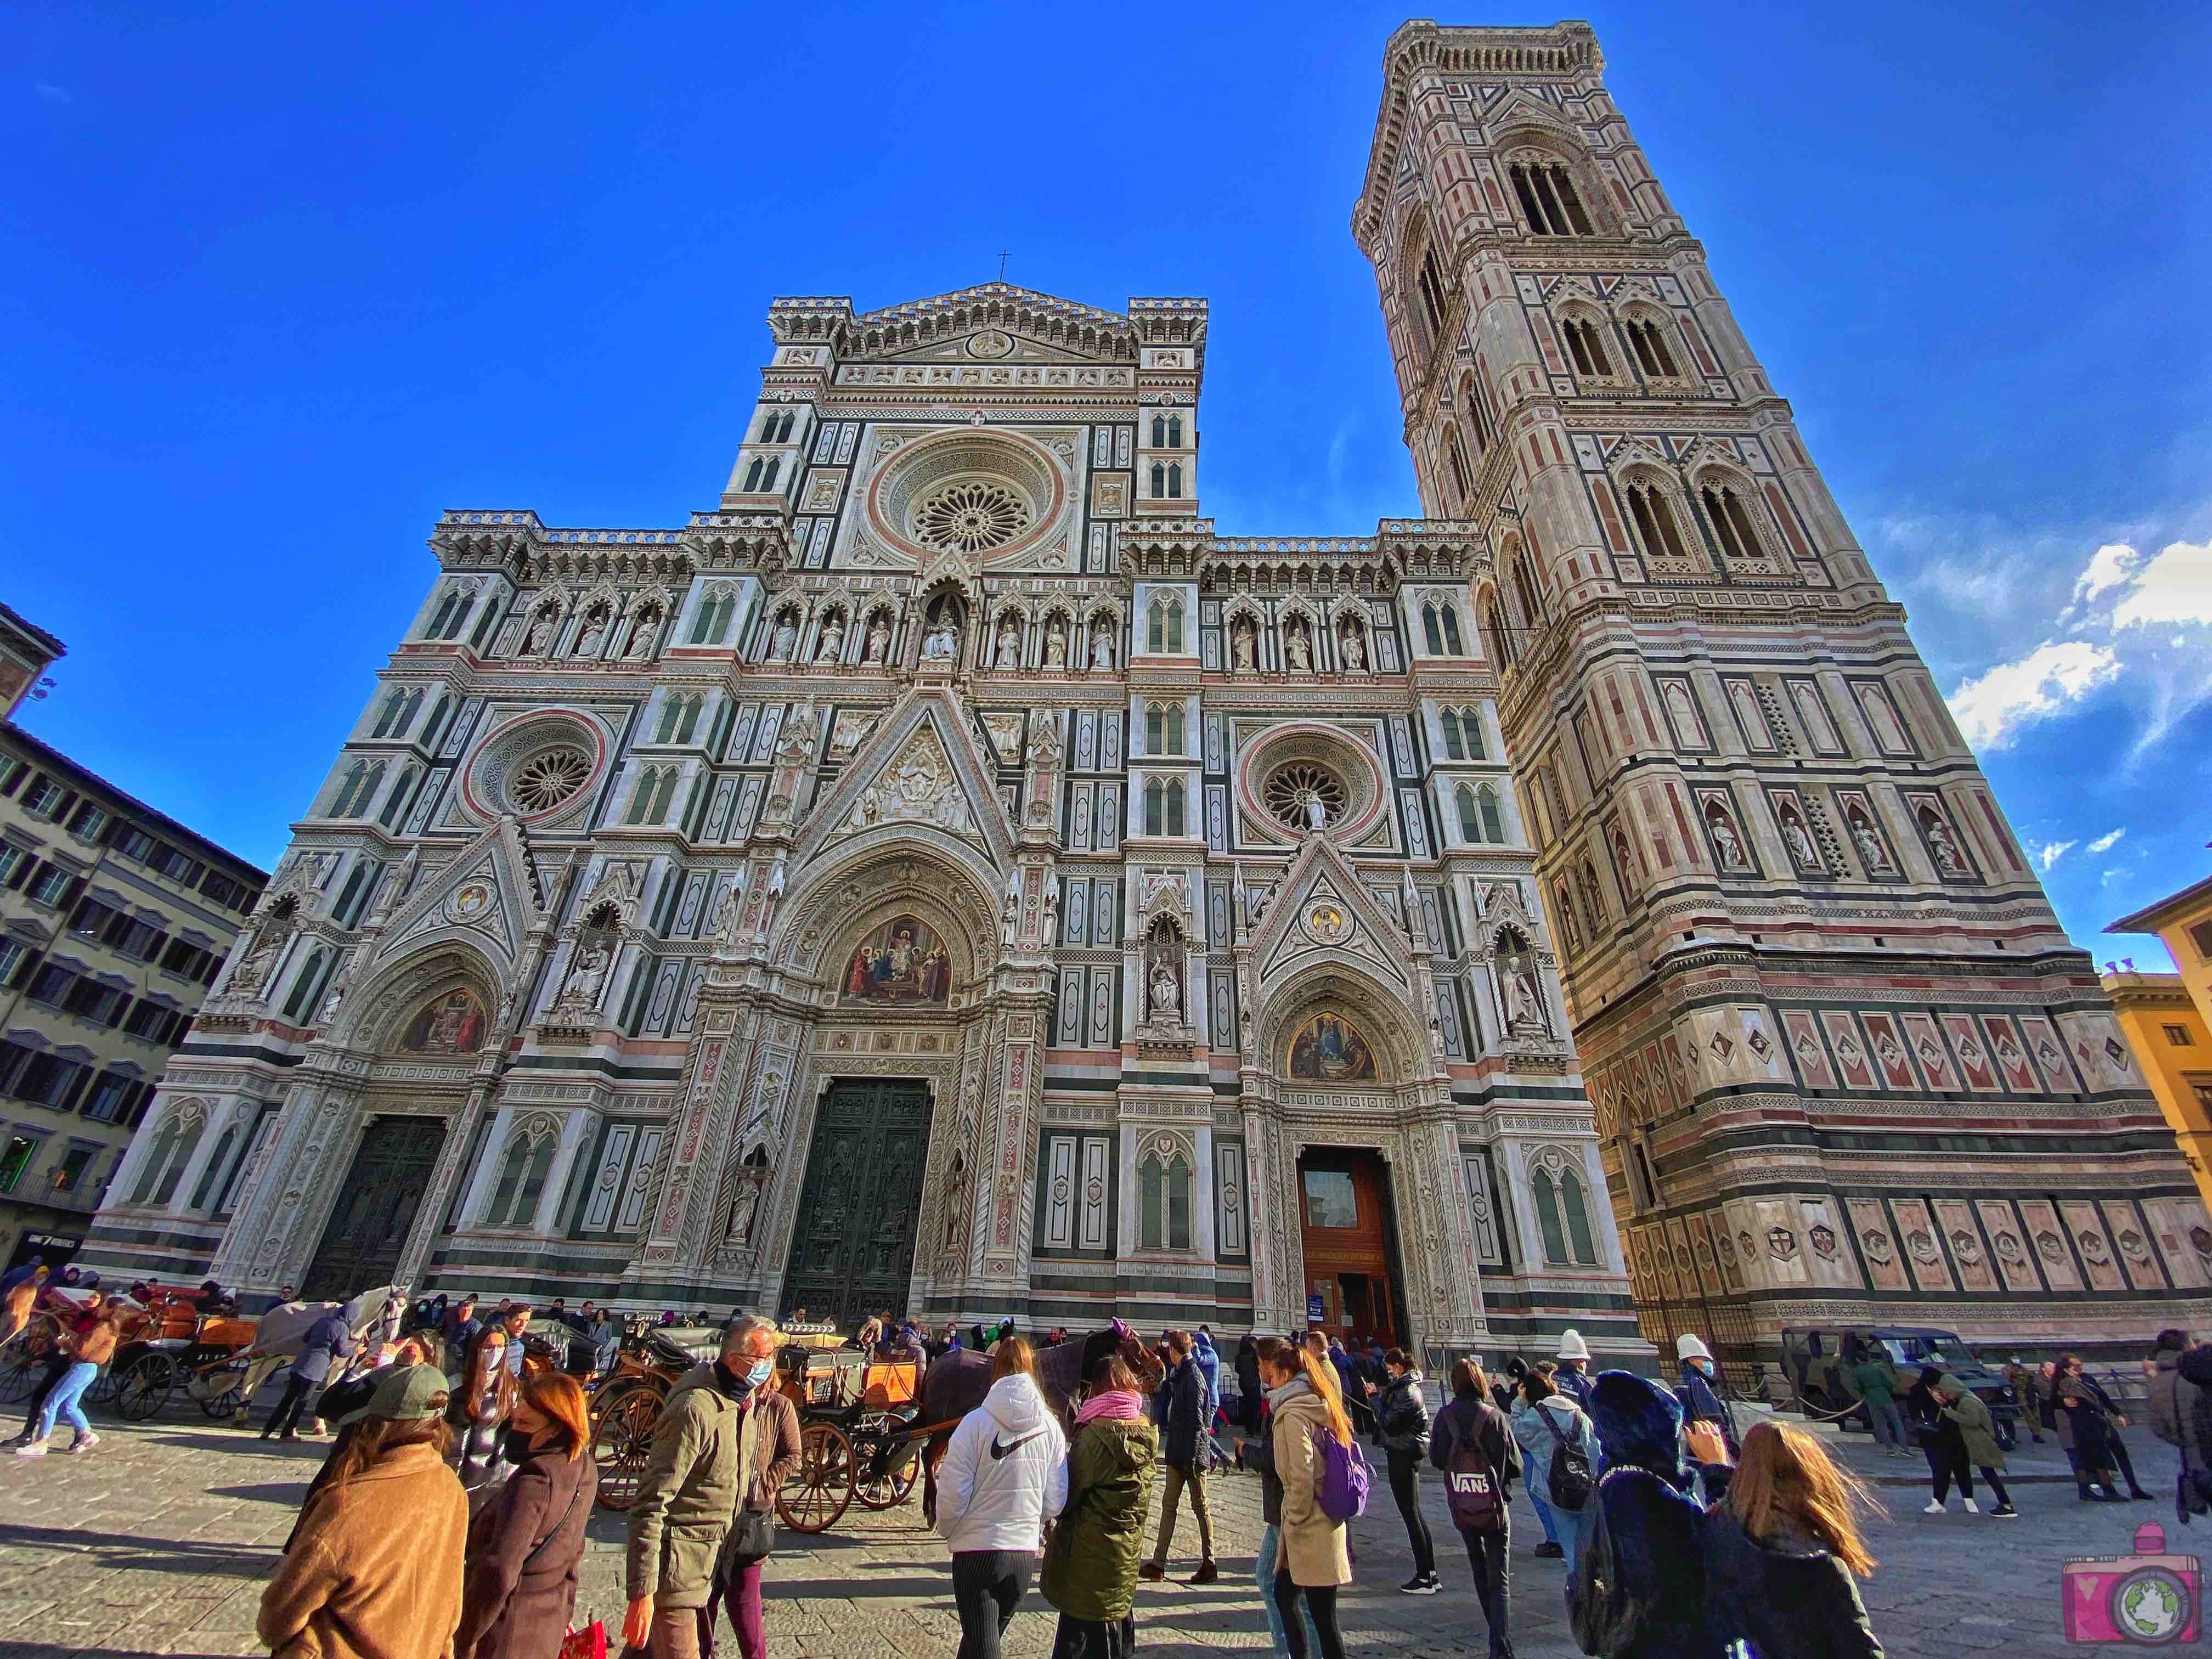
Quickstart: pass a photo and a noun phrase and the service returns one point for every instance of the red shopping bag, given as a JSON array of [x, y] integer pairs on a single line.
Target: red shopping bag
[[590, 1643]]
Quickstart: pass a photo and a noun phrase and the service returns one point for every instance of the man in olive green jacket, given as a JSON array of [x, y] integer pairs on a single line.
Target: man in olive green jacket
[[689, 1493]]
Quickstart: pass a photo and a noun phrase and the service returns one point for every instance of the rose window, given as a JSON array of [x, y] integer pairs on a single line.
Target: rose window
[[1293, 791], [972, 515], [549, 778]]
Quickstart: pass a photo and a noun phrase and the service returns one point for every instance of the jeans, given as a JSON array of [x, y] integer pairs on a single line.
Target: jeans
[[1544, 1514], [1575, 1528], [1491, 1556], [1320, 1605], [1179, 1481], [1406, 1488], [62, 1402], [1271, 1545], [987, 1587], [742, 1598], [285, 1419], [1888, 1423]]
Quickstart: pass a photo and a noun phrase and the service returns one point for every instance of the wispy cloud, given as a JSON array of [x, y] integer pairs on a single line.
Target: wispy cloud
[[2105, 843], [2109, 566], [2049, 852], [51, 94], [1993, 706]]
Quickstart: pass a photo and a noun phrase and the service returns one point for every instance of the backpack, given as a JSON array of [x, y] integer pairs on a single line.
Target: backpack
[[1472, 1489], [1571, 1482], [1339, 1478], [1602, 1614]]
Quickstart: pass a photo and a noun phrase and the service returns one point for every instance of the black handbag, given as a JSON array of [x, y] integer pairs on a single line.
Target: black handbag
[[1602, 1614], [752, 1540]]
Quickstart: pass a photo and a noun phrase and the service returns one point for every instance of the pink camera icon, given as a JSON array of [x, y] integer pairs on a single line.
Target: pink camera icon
[[2150, 1599]]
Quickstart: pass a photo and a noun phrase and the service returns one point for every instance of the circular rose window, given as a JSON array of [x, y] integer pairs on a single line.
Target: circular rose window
[[1303, 796], [549, 778], [971, 514]]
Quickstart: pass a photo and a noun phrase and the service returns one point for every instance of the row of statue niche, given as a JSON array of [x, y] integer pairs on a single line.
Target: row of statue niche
[[875, 643], [1298, 646], [1006, 648], [536, 637], [940, 643]]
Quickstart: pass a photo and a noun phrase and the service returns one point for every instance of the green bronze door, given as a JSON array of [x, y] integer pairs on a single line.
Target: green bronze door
[[852, 1251], [375, 1207]]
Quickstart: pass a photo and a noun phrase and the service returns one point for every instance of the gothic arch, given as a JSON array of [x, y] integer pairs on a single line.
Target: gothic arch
[[1347, 987], [375, 1013], [877, 877]]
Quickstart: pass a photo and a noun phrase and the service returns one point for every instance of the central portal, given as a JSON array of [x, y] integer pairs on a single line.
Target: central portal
[[851, 1249]]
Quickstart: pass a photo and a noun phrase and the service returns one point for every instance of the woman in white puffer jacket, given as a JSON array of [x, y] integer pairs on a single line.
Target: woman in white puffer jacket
[[1005, 1475]]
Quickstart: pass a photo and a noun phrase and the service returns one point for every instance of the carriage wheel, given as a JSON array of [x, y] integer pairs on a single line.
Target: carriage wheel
[[19, 1368], [894, 1486], [225, 1406], [143, 1387], [819, 1490], [622, 1440]]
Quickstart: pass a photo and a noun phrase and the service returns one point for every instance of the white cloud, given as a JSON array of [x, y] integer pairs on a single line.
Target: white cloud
[[51, 93], [2105, 843], [2049, 853], [2176, 586], [1992, 708], [2110, 565]]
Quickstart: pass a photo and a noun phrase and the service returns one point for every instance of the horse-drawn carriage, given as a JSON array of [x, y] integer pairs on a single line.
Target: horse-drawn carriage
[[160, 1340]]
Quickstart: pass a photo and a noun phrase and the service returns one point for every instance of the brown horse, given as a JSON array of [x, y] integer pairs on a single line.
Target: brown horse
[[957, 1381]]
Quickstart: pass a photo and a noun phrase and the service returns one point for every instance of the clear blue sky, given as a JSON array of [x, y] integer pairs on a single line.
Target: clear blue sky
[[283, 283]]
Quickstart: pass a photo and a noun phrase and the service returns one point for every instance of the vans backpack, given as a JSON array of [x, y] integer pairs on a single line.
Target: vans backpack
[[1472, 1487], [1339, 1478]]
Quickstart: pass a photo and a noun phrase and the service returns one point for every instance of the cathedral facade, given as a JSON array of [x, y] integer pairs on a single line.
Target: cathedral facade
[[949, 876]]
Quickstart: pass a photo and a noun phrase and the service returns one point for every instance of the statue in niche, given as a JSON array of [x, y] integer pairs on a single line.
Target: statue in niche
[[587, 975], [1868, 843], [1801, 843], [640, 634], [1055, 645], [1297, 652], [878, 641], [1009, 653], [1101, 646], [942, 642], [1524, 1001], [744, 1208], [1243, 646], [786, 638], [1166, 995], [594, 634], [534, 637], [1726, 840], [1948, 859], [1354, 647], [1316, 812], [833, 639]]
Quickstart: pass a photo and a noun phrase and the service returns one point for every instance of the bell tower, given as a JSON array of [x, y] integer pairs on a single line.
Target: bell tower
[[1845, 1063]]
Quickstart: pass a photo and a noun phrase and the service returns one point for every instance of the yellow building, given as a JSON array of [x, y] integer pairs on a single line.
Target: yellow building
[[2182, 923], [2174, 1045]]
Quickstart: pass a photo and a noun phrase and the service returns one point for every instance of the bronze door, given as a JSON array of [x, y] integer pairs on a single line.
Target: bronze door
[[375, 1207], [851, 1249]]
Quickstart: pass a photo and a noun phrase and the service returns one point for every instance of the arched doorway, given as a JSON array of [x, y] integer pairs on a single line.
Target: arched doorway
[[851, 1246]]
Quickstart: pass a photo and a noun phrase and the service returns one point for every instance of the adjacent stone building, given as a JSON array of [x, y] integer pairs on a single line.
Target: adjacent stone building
[[113, 920], [1846, 1066], [2174, 1046]]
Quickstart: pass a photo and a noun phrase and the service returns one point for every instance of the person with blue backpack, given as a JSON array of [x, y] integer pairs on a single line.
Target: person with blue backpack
[[1324, 1481]]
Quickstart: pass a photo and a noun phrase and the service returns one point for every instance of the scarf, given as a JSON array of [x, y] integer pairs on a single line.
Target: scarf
[[1277, 1397], [1115, 1405]]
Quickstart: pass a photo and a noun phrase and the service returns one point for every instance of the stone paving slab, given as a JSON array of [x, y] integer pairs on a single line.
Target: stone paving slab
[[157, 1542]]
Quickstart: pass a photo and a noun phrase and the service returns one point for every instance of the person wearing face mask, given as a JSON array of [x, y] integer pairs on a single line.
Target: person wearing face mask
[[525, 1547], [1701, 1405], [725, 1438]]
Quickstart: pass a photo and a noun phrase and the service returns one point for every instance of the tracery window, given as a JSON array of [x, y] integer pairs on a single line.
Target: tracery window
[[1431, 635], [300, 1004], [395, 803], [1478, 818], [1174, 481], [1164, 729], [714, 618], [521, 1181], [1548, 199], [165, 1166], [1163, 807], [1648, 340], [1586, 346], [1563, 1217], [1164, 1204], [1653, 514], [1163, 627], [362, 780], [1732, 527], [1456, 460]]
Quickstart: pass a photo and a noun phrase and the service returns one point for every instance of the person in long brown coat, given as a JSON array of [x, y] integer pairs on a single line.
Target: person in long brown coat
[[526, 1546]]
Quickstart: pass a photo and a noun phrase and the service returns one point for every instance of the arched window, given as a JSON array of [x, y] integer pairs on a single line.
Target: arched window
[[300, 1004], [1579, 1238], [1172, 812], [663, 796], [1159, 432], [386, 720], [521, 1181], [1548, 199], [1174, 481], [437, 723], [1159, 481], [1493, 627], [753, 475], [714, 618], [1173, 734], [1655, 521], [348, 789], [1453, 646], [767, 479], [1153, 811], [1470, 725], [641, 800], [1485, 801], [463, 603], [484, 626], [1470, 396], [437, 628], [783, 428], [1648, 340], [1456, 460], [1174, 432], [1525, 587], [691, 707], [214, 1168], [370, 785], [396, 802], [157, 1161], [1586, 345], [1429, 636], [1548, 1217], [1731, 523], [1455, 746], [671, 712], [767, 427], [1163, 627], [1164, 1204], [1164, 729]]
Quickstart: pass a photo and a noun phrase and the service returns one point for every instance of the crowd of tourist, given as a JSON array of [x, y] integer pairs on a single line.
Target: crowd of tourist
[[449, 1514]]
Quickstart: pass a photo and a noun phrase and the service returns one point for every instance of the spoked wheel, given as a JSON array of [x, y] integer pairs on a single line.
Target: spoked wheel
[[622, 1440], [821, 1488], [20, 1370], [894, 1486], [143, 1387], [224, 1406]]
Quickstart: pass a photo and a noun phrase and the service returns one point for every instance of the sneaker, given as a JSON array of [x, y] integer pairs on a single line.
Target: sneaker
[[1153, 1571], [1419, 1584], [84, 1443], [1973, 1508], [2005, 1512], [1207, 1573], [1934, 1508], [287, 1438], [1547, 1551], [34, 1449]]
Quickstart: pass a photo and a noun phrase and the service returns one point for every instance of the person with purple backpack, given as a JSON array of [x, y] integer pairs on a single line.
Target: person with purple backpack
[[1471, 1443], [1313, 1454]]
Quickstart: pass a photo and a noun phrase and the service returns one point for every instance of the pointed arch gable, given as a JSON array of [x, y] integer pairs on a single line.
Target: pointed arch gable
[[377, 1013], [933, 707]]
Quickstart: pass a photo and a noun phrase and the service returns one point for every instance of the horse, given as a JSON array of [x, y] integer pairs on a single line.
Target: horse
[[956, 1383]]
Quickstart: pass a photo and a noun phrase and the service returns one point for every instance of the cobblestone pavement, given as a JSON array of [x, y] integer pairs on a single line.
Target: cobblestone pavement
[[157, 1543]]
